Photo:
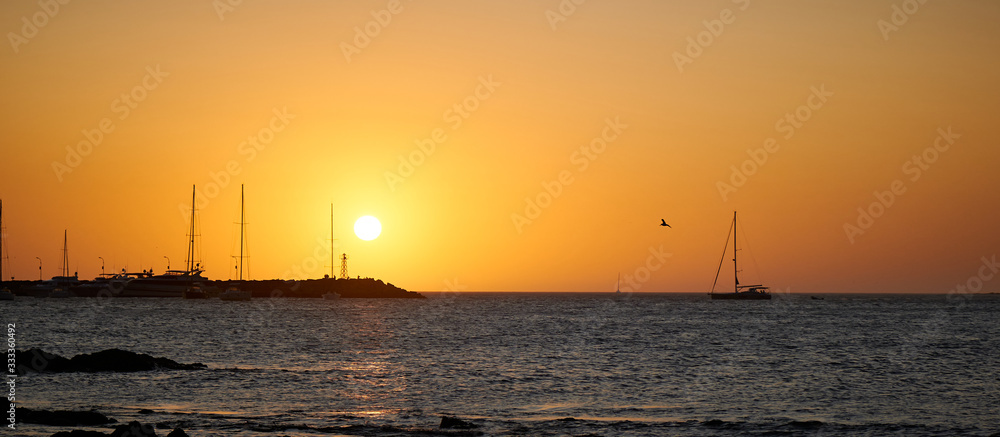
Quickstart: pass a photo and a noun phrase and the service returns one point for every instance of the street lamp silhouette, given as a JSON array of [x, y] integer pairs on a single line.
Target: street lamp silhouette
[[39, 268], [102, 265], [168, 262]]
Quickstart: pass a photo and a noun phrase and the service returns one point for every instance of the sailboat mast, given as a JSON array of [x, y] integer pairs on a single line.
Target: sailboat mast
[[1, 240], [242, 230], [736, 271], [65, 269], [190, 248], [332, 255]]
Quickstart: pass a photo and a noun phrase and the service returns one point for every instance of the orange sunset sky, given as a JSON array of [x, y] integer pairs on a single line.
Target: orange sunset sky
[[610, 114]]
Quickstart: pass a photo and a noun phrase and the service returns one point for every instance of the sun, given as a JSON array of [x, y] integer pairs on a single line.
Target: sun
[[367, 228]]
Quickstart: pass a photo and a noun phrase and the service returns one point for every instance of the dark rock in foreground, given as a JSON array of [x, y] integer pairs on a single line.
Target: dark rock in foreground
[[177, 432], [80, 433], [456, 423], [117, 360], [37, 360], [133, 429], [62, 418], [111, 360]]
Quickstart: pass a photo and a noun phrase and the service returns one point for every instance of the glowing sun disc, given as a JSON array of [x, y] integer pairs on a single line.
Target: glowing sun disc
[[367, 228]]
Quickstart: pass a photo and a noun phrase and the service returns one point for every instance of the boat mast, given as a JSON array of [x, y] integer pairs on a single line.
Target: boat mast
[[332, 255], [722, 258], [1, 241], [736, 271], [190, 254], [242, 230], [65, 268]]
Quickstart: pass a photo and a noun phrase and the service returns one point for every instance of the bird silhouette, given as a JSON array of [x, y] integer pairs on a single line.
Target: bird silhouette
[[664, 223]]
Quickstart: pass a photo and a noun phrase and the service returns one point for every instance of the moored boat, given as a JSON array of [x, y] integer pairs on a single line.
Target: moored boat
[[195, 292], [740, 292], [59, 293], [172, 283], [106, 285], [46, 287], [58, 286], [233, 293]]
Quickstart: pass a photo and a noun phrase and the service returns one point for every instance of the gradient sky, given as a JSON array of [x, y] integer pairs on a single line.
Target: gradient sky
[[201, 77]]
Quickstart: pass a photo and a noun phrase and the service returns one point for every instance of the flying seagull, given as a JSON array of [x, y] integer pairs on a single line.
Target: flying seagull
[[664, 223]]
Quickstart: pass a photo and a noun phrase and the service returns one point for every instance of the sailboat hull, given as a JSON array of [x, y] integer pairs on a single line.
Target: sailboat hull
[[195, 293], [740, 296], [167, 285]]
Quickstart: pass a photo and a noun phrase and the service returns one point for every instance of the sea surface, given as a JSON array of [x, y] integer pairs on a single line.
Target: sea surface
[[571, 364]]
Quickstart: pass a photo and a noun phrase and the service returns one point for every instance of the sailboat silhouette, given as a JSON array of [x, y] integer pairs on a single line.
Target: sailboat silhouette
[[740, 292], [235, 293]]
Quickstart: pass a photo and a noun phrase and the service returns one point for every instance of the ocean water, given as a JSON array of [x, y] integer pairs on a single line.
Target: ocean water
[[530, 364]]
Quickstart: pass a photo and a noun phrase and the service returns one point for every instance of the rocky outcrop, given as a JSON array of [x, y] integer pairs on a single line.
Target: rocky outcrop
[[62, 418], [456, 423], [177, 432], [111, 360], [80, 433], [133, 429]]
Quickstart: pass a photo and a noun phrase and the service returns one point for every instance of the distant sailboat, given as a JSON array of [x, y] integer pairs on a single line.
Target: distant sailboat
[[5, 293], [740, 292], [172, 283], [619, 296], [235, 293], [58, 286], [3, 255], [193, 290]]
